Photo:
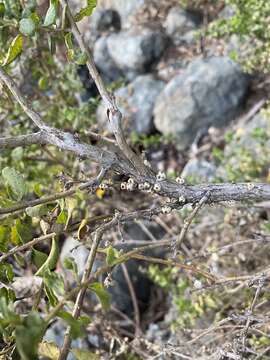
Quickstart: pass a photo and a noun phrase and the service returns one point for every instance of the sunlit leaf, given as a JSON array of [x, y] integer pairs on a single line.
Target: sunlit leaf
[[83, 229], [4, 237], [15, 181], [84, 355], [52, 259], [51, 14], [112, 255], [14, 50], [86, 11], [48, 350]]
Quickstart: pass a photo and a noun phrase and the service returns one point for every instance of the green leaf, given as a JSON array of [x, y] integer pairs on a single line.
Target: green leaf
[[17, 154], [28, 335], [102, 294], [77, 325], [51, 14], [2, 9], [53, 286], [27, 27], [37, 211], [20, 233], [52, 259], [62, 217], [112, 255], [6, 272], [4, 237], [84, 355], [68, 40], [70, 264], [15, 181], [14, 50], [86, 11], [38, 257], [48, 350], [80, 58], [71, 203], [43, 83]]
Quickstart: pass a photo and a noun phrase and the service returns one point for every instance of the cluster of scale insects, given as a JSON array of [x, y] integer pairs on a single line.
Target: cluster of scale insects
[[131, 185]]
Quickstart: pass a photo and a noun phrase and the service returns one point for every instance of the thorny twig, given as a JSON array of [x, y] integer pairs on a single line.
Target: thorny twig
[[188, 222]]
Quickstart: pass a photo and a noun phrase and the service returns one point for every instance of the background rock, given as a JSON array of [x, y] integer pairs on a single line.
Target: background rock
[[104, 61], [137, 49], [180, 25], [199, 171], [126, 8], [104, 20], [209, 92], [136, 102]]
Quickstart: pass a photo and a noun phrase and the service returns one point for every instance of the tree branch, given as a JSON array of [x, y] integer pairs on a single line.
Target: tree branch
[[85, 278], [22, 140], [113, 111]]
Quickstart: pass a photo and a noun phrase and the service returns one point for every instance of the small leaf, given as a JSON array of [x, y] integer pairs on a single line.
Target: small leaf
[[38, 257], [43, 83], [48, 350], [77, 325], [2, 9], [86, 11], [112, 255], [80, 58], [83, 229], [37, 211], [15, 181], [51, 14], [14, 50], [20, 233], [27, 27], [52, 259], [53, 286], [102, 294], [62, 217], [71, 203], [70, 264], [6, 272], [4, 237], [84, 355], [68, 40]]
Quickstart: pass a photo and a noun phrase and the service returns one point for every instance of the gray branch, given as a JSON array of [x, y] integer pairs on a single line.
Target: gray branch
[[22, 140]]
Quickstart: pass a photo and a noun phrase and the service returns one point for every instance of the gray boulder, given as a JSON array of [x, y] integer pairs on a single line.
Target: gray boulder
[[198, 171], [180, 25], [136, 102], [208, 93], [104, 20], [104, 61], [126, 8], [137, 49]]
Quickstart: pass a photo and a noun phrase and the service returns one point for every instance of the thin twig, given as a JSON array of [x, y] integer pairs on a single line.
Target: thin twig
[[85, 278], [26, 246], [134, 300], [47, 199], [188, 222]]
